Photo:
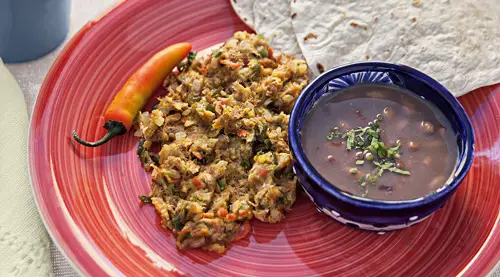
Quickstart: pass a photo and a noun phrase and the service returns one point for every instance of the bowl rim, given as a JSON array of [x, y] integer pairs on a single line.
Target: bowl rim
[[318, 83]]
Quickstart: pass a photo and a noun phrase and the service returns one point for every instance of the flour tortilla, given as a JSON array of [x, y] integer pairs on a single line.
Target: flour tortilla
[[244, 9], [272, 19], [456, 42]]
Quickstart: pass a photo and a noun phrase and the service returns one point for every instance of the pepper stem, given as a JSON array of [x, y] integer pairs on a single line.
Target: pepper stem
[[115, 128]]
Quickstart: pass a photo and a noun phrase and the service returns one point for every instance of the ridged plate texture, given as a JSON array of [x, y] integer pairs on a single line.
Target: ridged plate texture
[[88, 196]]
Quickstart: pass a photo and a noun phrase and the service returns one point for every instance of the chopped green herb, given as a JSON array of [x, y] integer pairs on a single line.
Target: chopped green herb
[[380, 172], [399, 171], [372, 179], [185, 236], [350, 139], [155, 158], [216, 92], [211, 108], [221, 183], [145, 158], [275, 158], [245, 164], [185, 65], [145, 199], [192, 56], [217, 54], [282, 200], [263, 52], [384, 165], [255, 71], [262, 145], [393, 151], [140, 147], [176, 223], [370, 147], [260, 36], [369, 156], [381, 152]]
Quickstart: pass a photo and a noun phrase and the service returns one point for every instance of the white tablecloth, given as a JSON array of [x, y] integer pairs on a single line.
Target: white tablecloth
[[30, 76]]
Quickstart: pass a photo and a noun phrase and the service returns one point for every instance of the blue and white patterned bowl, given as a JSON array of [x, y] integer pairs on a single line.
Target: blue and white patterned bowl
[[364, 213]]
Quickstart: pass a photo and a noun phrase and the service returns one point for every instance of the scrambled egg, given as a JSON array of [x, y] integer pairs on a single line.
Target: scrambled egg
[[217, 143]]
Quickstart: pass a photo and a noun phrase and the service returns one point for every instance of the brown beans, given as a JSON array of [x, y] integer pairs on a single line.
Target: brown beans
[[413, 146], [350, 171], [406, 132], [426, 127], [427, 160], [389, 113], [386, 188], [344, 125], [369, 156], [335, 143], [360, 115], [359, 155], [409, 108]]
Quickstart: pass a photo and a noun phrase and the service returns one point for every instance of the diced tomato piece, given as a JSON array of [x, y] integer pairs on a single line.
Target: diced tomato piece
[[234, 65], [207, 215], [222, 212], [198, 183], [243, 213], [243, 133], [270, 51], [231, 216], [197, 155], [264, 172]]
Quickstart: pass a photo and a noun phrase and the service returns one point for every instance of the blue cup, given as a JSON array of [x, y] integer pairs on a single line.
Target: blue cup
[[29, 29]]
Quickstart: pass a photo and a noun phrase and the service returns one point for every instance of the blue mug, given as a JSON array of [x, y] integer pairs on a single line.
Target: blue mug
[[30, 29]]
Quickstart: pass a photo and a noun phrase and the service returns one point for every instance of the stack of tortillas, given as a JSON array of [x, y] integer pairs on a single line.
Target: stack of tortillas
[[456, 42]]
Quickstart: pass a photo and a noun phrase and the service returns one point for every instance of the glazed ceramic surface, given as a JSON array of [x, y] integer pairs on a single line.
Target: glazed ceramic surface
[[364, 213], [88, 196]]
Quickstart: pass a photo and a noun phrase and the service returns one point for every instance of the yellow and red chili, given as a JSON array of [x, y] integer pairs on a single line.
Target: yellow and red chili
[[137, 90]]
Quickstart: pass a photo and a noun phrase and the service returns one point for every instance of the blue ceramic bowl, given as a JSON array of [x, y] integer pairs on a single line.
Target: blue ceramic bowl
[[364, 213]]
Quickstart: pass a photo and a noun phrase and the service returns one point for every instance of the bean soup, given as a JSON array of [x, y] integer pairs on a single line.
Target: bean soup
[[380, 142]]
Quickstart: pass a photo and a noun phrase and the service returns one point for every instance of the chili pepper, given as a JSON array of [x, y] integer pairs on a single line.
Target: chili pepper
[[137, 90]]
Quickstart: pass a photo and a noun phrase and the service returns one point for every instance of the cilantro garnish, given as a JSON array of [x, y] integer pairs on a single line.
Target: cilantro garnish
[[368, 140]]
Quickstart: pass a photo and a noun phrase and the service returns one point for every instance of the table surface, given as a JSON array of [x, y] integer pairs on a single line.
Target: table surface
[[30, 76]]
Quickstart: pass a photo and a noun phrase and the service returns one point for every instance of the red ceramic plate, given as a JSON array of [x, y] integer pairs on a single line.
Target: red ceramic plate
[[88, 196]]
